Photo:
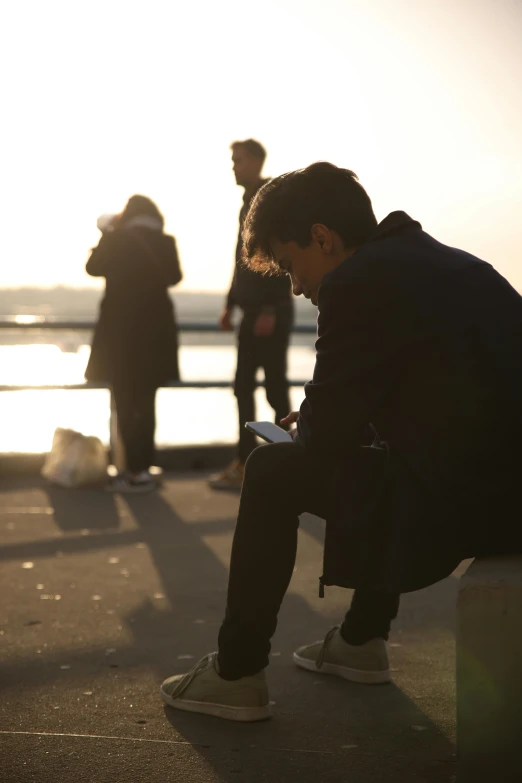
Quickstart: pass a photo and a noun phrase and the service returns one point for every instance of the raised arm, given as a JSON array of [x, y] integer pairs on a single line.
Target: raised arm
[[101, 257], [231, 301]]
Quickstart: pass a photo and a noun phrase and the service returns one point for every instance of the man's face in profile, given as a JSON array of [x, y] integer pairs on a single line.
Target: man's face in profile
[[305, 266], [308, 265], [247, 169]]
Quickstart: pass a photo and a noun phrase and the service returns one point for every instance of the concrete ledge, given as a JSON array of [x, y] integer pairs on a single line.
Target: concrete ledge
[[489, 671]]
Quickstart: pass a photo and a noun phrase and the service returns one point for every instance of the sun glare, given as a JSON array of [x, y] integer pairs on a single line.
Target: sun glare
[[430, 118]]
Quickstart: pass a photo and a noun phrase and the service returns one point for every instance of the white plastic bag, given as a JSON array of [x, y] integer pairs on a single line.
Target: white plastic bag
[[75, 460]]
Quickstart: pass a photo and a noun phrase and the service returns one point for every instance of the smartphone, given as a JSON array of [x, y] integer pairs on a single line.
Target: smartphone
[[269, 432]]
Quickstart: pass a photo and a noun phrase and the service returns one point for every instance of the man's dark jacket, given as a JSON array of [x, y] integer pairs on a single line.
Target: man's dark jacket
[[422, 343], [250, 290]]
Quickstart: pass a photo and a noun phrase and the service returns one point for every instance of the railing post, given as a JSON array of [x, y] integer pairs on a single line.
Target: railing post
[[116, 444]]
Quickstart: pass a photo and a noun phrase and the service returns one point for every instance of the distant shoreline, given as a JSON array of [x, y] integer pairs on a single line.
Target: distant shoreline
[[68, 301]]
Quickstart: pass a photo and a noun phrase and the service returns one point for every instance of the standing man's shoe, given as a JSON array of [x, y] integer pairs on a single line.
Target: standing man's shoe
[[203, 690], [366, 663], [230, 478]]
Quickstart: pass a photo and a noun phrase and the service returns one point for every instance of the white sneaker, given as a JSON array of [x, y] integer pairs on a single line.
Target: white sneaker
[[132, 482], [365, 663], [203, 690]]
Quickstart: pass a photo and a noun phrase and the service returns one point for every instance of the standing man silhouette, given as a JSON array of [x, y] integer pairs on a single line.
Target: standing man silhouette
[[266, 302]]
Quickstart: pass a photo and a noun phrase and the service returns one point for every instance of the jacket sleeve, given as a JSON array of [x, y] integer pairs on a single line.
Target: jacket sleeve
[[231, 300], [101, 257], [174, 273], [358, 360]]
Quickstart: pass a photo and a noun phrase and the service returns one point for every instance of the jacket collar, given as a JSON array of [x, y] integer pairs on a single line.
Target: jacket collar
[[396, 222]]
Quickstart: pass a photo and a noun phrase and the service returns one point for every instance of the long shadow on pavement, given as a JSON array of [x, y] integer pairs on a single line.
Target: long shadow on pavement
[[93, 510], [322, 727]]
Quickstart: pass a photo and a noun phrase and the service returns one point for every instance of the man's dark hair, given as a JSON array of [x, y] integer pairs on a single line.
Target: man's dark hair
[[251, 147], [287, 207]]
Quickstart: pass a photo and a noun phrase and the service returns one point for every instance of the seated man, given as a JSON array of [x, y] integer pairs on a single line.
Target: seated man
[[407, 443]]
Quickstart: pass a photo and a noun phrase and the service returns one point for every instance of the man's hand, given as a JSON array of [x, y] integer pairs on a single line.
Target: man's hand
[[225, 320], [290, 419], [264, 325]]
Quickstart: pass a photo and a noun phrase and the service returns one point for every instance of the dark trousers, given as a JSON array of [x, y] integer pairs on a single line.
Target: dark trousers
[[135, 408], [281, 481], [270, 354]]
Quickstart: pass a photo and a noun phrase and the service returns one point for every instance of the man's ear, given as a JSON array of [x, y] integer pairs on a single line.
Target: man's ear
[[323, 236]]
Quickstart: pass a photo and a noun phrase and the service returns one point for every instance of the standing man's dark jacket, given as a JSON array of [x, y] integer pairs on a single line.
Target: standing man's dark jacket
[[135, 338], [251, 290], [424, 343]]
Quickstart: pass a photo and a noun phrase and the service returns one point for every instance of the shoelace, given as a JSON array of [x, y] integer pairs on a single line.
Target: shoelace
[[320, 657], [200, 666]]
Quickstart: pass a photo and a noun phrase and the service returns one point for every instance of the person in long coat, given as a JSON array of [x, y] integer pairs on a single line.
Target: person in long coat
[[407, 442], [135, 342]]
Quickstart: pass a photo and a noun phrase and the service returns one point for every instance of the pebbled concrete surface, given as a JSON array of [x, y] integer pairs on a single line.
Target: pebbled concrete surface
[[104, 596]]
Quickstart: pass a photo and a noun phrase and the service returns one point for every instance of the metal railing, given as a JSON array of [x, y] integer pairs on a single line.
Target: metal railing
[[36, 322], [57, 322], [23, 323]]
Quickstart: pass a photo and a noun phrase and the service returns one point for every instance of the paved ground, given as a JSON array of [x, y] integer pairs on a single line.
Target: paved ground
[[102, 597]]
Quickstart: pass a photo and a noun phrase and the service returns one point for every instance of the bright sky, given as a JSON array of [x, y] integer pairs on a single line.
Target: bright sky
[[103, 99]]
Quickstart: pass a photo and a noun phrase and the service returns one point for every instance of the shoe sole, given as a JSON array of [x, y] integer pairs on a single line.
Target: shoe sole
[[243, 714], [353, 675]]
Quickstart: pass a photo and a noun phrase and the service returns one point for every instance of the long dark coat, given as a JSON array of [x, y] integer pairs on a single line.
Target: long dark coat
[[424, 342], [135, 339]]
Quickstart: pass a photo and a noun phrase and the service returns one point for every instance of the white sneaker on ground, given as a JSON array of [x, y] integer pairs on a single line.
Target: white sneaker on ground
[[202, 690], [366, 663], [132, 482]]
